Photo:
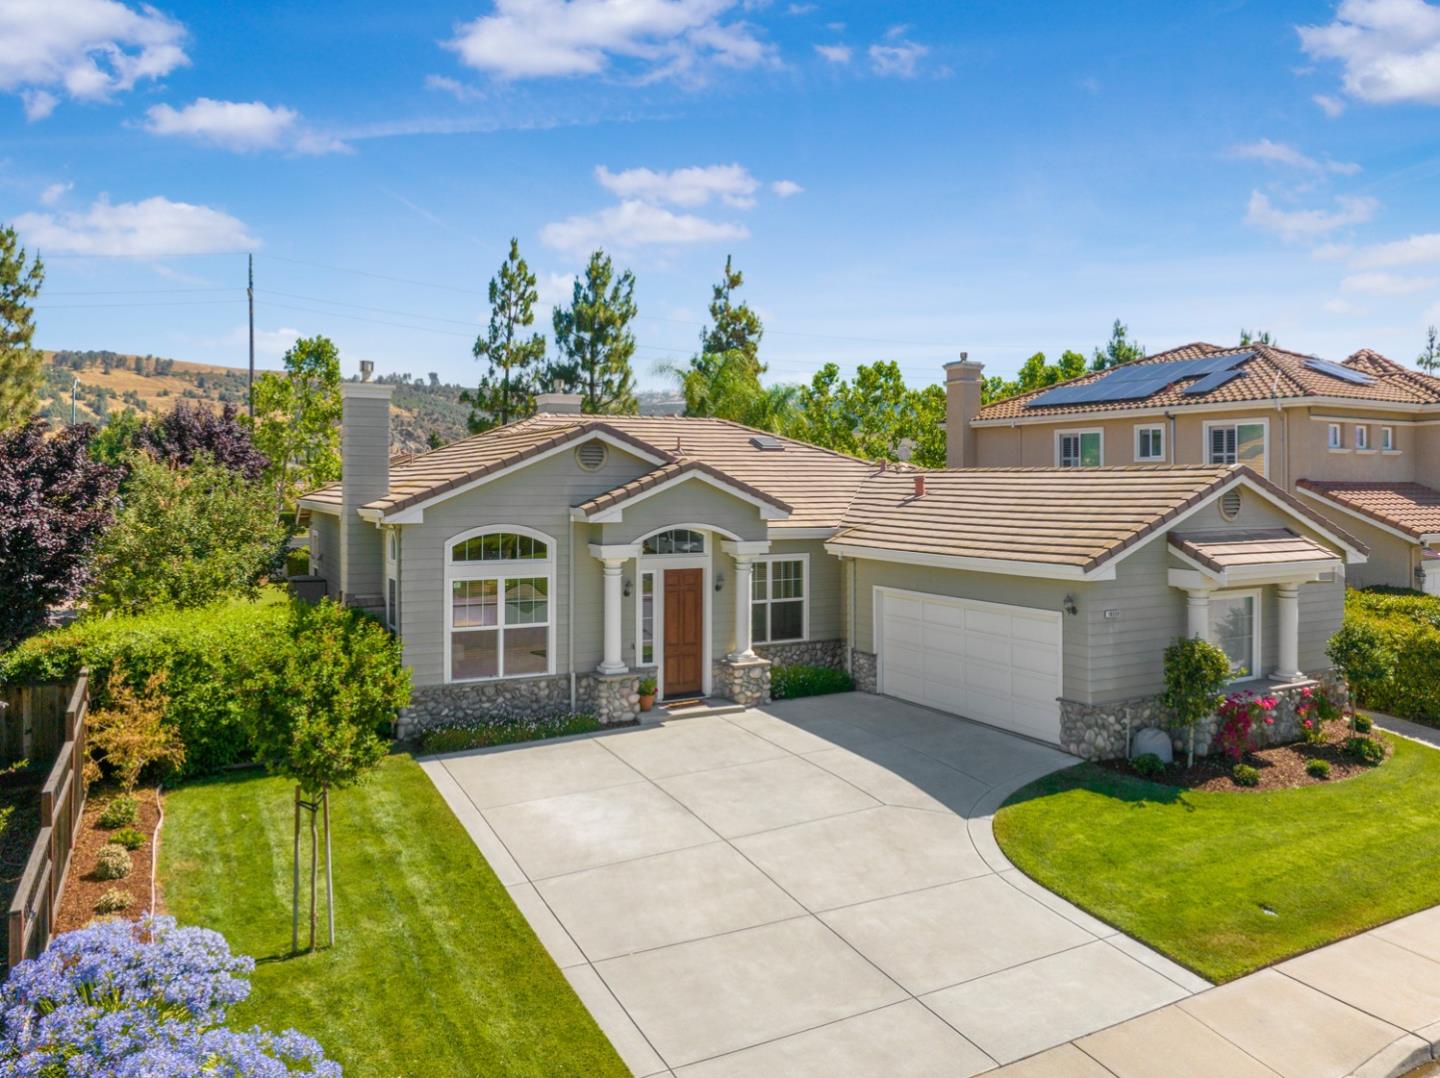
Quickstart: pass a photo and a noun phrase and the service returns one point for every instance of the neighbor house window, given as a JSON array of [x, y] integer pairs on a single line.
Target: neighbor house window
[[1235, 630], [1236, 443], [1336, 437], [1149, 443], [645, 621], [675, 541], [777, 599], [1362, 437], [1079, 449], [1387, 439], [499, 612]]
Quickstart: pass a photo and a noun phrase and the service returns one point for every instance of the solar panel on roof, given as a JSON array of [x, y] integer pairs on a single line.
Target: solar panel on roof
[[1212, 382], [1336, 370], [1140, 380]]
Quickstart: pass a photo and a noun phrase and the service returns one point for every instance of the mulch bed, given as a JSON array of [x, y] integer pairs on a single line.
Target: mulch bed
[[1280, 766], [82, 888]]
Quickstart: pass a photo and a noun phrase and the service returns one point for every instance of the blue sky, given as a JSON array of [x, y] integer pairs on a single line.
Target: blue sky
[[897, 181]]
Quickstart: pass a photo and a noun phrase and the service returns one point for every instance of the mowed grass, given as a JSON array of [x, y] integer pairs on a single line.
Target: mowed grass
[[1225, 883], [434, 971]]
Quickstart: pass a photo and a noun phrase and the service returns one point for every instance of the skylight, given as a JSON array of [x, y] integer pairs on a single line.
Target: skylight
[[767, 442]]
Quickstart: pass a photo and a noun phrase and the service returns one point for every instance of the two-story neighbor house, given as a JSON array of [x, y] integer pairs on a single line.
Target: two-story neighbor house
[[1358, 440], [551, 563]]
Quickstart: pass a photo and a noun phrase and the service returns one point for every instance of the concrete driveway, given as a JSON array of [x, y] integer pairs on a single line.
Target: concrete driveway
[[810, 888]]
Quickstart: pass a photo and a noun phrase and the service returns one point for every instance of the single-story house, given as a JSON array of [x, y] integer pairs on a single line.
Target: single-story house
[[551, 563]]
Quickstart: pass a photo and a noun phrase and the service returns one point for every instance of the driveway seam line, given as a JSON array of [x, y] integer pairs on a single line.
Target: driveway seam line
[[1110, 941], [1342, 1002]]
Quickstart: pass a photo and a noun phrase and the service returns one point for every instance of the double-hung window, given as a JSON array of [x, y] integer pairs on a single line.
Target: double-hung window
[[1149, 444], [778, 598], [1362, 437], [499, 617], [1387, 439], [1236, 443], [1079, 449], [1336, 437]]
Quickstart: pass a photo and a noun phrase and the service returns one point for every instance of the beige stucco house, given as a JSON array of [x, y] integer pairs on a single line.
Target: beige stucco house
[[1358, 440], [551, 563]]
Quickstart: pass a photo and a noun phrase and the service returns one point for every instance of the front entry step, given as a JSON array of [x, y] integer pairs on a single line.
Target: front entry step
[[693, 707]]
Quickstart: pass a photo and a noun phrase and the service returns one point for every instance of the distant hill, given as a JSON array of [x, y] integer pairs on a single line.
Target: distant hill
[[422, 409]]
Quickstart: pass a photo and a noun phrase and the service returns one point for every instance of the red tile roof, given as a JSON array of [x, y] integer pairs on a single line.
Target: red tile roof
[[1408, 507]]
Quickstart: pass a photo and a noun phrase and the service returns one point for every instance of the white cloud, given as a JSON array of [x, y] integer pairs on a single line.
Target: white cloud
[[1389, 49], [555, 289], [1298, 225], [836, 54], [1345, 307], [460, 91], [1385, 284], [901, 60], [633, 223], [1281, 153], [242, 126], [689, 187], [1330, 106], [153, 228], [54, 193], [86, 49], [801, 9], [786, 188], [653, 39], [1411, 251]]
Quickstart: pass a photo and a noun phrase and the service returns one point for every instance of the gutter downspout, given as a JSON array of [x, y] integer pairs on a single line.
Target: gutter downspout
[[1170, 447], [570, 615]]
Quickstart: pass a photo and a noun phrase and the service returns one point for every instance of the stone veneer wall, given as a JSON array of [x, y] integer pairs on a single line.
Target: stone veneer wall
[[747, 682], [863, 668], [805, 653], [610, 699], [1102, 731]]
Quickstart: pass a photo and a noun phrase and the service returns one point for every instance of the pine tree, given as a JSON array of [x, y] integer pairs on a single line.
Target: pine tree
[[1118, 350], [1429, 359], [22, 367], [727, 367], [507, 389], [594, 340], [1264, 337]]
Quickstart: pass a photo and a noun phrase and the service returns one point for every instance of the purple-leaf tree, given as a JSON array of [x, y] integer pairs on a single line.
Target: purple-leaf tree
[[189, 430], [55, 501]]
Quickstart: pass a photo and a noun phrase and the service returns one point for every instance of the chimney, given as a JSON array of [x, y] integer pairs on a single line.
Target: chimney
[[919, 484], [558, 403], [962, 403], [364, 477]]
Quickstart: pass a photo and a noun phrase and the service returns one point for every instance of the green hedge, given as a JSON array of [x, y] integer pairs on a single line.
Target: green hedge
[[1389, 651], [792, 682], [208, 654]]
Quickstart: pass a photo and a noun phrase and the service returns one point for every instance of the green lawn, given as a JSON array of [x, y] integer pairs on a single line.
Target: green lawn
[[434, 970], [1194, 874]]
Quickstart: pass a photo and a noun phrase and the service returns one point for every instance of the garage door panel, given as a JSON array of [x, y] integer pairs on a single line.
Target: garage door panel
[[991, 662]]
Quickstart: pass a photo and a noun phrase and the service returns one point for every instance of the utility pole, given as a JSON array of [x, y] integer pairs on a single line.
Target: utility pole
[[74, 393], [250, 295]]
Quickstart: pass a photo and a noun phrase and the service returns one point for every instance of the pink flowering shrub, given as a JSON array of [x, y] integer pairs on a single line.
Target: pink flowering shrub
[[1240, 714]]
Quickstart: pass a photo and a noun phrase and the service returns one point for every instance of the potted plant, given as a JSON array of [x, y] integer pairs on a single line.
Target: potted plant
[[647, 693]]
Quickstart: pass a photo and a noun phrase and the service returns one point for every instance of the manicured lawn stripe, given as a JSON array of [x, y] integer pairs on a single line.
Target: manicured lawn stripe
[[434, 970], [1193, 874]]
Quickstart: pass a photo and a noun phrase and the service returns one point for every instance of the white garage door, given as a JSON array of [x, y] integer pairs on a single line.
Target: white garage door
[[991, 662]]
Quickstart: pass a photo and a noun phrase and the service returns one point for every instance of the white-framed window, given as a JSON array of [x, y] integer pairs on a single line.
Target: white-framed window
[[647, 613], [779, 598], [1079, 449], [392, 579], [684, 541], [1387, 439], [1336, 436], [1235, 630], [1238, 443], [1362, 436], [1149, 443], [498, 618]]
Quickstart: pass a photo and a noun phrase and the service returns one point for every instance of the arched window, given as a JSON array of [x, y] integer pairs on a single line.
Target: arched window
[[498, 619], [674, 541]]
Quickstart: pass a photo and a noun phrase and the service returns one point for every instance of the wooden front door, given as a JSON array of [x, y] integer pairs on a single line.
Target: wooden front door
[[684, 632]]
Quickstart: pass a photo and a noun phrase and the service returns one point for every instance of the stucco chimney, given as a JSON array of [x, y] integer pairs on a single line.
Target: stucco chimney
[[364, 477], [962, 403], [558, 403]]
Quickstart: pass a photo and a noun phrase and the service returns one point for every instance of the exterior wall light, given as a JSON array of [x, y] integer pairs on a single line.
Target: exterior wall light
[[1069, 605], [719, 581]]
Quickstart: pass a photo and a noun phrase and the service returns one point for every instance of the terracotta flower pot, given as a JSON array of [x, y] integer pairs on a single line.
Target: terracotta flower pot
[[647, 702]]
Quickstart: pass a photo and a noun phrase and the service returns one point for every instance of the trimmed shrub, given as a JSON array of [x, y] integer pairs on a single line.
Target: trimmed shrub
[[122, 811], [129, 838], [1388, 650], [1245, 775], [113, 862], [478, 735], [793, 682], [1147, 765], [1363, 723], [1318, 769], [1365, 749], [113, 901]]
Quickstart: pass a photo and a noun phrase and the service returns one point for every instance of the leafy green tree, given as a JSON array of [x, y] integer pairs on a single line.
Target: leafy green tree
[[595, 342], [1196, 674], [1035, 373], [22, 367], [1118, 350], [1264, 337], [186, 537], [297, 419], [876, 416], [507, 388], [1429, 359]]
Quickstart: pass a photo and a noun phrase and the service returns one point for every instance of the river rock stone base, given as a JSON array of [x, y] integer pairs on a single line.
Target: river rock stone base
[[746, 681], [829, 653], [610, 698], [617, 697], [863, 668]]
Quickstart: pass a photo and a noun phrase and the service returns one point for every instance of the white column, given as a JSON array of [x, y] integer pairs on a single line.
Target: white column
[[743, 568], [1197, 614], [1288, 602], [614, 603]]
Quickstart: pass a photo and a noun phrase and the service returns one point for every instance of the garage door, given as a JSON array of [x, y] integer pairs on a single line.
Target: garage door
[[991, 662]]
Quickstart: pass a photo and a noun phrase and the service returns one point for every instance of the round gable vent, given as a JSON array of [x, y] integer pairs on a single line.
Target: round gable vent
[[591, 456], [1230, 504]]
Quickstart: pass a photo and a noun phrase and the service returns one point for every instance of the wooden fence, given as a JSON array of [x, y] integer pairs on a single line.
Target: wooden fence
[[62, 804], [32, 721]]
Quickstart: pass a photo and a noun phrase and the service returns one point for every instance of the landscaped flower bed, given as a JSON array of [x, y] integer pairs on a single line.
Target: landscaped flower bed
[[89, 890]]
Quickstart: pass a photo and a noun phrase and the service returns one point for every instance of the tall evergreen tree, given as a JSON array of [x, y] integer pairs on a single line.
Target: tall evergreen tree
[[594, 340], [1429, 359], [728, 366], [507, 388], [22, 369], [1118, 350]]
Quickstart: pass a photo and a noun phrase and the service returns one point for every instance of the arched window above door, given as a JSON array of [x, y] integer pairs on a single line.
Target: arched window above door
[[674, 541]]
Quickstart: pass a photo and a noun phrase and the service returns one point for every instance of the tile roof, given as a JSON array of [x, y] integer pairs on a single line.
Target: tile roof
[[1074, 517], [1221, 550], [650, 480], [1271, 372], [1410, 507]]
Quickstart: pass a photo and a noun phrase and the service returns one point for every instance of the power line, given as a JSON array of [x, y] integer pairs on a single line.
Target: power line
[[132, 291], [102, 306]]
